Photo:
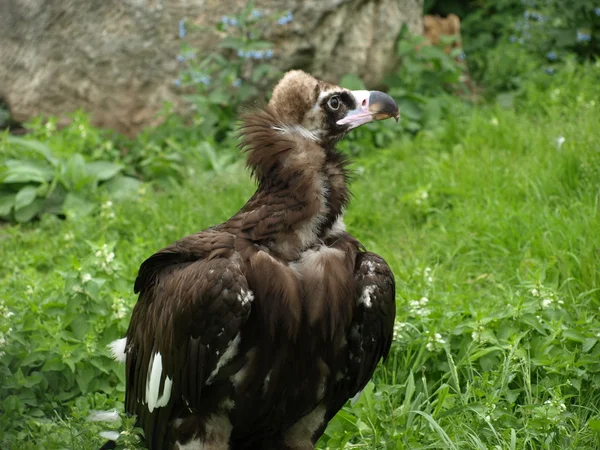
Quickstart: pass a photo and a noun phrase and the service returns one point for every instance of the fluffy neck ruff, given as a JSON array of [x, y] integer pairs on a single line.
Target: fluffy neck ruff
[[291, 166]]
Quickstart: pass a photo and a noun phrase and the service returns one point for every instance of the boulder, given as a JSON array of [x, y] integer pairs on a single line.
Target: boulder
[[116, 59]]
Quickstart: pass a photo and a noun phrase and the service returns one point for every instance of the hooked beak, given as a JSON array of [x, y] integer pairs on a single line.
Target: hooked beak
[[371, 105]]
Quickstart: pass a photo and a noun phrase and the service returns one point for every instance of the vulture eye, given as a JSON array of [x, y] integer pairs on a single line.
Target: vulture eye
[[334, 103]]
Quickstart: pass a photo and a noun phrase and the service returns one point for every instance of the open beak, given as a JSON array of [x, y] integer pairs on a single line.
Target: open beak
[[371, 105]]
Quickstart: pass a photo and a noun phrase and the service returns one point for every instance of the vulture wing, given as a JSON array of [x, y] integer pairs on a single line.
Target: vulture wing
[[371, 333], [193, 300]]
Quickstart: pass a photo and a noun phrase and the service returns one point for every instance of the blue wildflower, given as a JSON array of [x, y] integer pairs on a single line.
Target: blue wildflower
[[256, 13], [549, 70], [201, 78], [285, 19], [512, 39], [597, 11], [177, 82], [269, 54], [583, 37], [225, 20], [180, 58], [241, 54], [182, 31], [237, 82], [551, 56], [461, 56]]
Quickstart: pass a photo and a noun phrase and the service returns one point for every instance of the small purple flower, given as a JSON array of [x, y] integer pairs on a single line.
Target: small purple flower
[[583, 37], [269, 54], [549, 70], [285, 19], [182, 31], [180, 58], [551, 56], [177, 82]]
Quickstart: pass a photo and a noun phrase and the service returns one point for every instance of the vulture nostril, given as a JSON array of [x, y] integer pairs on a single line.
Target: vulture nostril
[[364, 102]]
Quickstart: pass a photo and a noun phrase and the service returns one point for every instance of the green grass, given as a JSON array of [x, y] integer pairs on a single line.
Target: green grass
[[489, 219]]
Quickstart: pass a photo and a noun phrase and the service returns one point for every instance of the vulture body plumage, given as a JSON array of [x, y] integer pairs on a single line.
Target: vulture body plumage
[[252, 334]]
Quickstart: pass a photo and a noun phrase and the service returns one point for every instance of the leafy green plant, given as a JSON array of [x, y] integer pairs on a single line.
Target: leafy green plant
[[425, 79], [37, 181], [236, 71]]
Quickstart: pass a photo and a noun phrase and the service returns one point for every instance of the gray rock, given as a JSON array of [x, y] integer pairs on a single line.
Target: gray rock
[[116, 59]]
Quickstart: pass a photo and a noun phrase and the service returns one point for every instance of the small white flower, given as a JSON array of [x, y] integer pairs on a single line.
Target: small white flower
[[546, 303], [29, 290], [560, 141], [535, 292], [430, 346], [494, 121], [488, 419], [85, 277], [69, 236], [423, 301], [548, 402], [109, 257], [562, 407], [107, 205]]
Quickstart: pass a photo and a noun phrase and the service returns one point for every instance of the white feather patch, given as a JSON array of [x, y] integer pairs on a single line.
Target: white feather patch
[[298, 130], [111, 435], [245, 297], [103, 416], [231, 351], [117, 349], [365, 298], [337, 228], [153, 384]]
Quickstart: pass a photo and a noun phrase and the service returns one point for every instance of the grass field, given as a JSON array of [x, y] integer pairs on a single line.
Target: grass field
[[491, 226]]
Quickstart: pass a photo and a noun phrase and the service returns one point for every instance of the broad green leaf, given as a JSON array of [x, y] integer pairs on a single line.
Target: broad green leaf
[[21, 171], [594, 425], [75, 206], [75, 174], [6, 203], [28, 212], [25, 197], [103, 170], [84, 375], [574, 335], [37, 146], [122, 187]]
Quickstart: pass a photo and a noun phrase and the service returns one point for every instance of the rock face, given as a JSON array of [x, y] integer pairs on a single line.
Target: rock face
[[116, 59]]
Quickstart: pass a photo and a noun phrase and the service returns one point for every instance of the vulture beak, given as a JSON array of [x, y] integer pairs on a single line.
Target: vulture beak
[[371, 105]]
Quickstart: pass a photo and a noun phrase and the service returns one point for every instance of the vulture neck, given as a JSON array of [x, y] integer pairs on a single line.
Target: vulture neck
[[302, 186]]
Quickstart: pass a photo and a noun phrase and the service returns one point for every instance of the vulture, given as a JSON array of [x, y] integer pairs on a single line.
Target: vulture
[[254, 333]]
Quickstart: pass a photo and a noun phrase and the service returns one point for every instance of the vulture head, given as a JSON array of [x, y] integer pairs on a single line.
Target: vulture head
[[323, 112]]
